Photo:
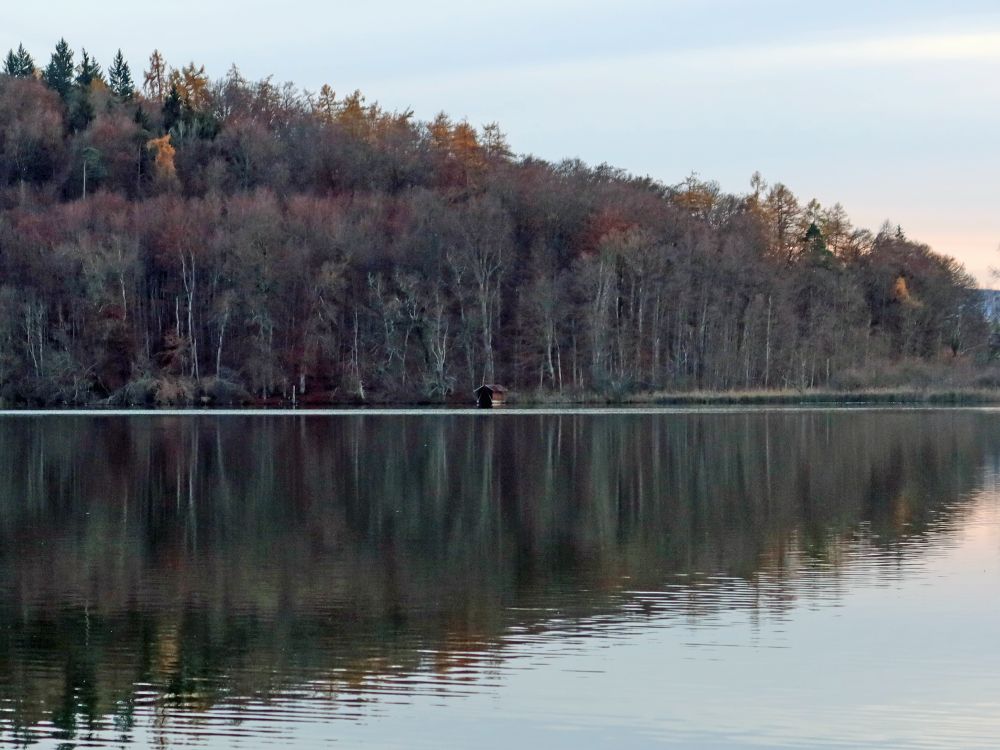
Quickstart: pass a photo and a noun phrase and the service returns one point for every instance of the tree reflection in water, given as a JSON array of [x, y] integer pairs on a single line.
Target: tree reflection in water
[[180, 561]]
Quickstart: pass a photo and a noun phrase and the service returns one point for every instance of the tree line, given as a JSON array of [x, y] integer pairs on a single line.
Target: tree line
[[167, 237]]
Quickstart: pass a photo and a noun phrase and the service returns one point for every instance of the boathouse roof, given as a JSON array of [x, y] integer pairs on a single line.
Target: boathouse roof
[[491, 387]]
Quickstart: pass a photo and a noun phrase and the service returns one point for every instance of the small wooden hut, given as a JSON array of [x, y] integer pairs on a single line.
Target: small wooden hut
[[489, 395]]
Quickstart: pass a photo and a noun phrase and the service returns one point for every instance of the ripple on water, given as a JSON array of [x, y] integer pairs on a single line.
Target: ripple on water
[[708, 579]]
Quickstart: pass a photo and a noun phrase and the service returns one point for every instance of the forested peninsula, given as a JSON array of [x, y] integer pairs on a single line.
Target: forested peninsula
[[169, 238]]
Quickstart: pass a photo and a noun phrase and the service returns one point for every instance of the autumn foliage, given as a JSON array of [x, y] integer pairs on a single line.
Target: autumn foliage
[[282, 242]]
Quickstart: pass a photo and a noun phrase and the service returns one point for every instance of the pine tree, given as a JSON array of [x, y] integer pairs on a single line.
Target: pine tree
[[88, 71], [816, 251], [142, 119], [19, 63], [120, 78], [58, 74], [172, 108], [11, 65], [81, 112], [26, 61]]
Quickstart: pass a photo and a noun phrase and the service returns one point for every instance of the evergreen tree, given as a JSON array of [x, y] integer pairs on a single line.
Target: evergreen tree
[[88, 72], [814, 238], [120, 78], [81, 109], [11, 65], [172, 108], [27, 62], [58, 74], [815, 245], [142, 120], [19, 63], [81, 112]]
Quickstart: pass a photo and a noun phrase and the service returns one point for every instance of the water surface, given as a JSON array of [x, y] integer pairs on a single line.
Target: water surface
[[707, 579]]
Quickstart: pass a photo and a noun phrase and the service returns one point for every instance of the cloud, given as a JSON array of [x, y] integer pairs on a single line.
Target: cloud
[[741, 60], [951, 47]]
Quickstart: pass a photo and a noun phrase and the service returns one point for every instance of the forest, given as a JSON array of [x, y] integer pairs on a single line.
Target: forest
[[170, 238]]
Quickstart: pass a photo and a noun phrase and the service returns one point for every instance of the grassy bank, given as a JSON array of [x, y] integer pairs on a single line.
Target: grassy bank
[[886, 396], [901, 396], [210, 393]]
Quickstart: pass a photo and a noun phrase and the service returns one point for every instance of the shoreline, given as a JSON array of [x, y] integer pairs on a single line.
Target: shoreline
[[887, 397], [875, 396]]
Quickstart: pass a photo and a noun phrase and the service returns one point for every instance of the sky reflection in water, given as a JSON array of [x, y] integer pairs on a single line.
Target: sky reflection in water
[[757, 579]]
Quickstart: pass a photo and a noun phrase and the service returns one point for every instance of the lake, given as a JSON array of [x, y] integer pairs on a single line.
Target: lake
[[560, 579]]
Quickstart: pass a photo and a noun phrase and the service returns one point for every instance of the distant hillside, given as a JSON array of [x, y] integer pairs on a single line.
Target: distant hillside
[[166, 237]]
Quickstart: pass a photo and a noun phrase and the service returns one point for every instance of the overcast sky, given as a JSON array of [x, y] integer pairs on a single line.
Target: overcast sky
[[891, 107]]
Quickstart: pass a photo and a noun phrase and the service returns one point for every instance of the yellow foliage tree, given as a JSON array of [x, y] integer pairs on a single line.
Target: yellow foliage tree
[[164, 157], [696, 196], [326, 103], [354, 115], [466, 147], [901, 293], [155, 79], [440, 131], [193, 86]]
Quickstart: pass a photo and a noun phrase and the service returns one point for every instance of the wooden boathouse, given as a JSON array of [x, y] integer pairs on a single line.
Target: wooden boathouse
[[489, 395]]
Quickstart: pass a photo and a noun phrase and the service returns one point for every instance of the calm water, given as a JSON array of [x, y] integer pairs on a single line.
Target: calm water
[[807, 579]]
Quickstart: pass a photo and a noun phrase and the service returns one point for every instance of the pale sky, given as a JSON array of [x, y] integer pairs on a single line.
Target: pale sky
[[891, 107]]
